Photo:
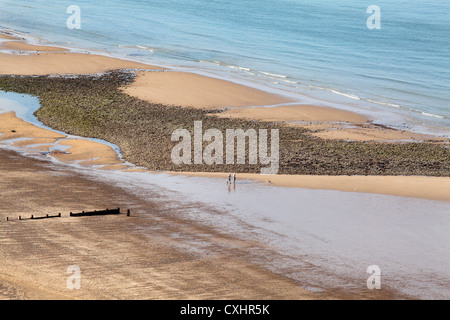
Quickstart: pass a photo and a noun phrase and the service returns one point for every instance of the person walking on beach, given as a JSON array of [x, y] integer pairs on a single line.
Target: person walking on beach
[[234, 177], [229, 179]]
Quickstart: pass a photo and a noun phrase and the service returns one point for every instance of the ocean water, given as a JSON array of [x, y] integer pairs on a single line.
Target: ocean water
[[318, 51]]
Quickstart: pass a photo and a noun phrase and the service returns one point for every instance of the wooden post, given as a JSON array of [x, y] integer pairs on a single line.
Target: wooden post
[[31, 216], [20, 217], [128, 212], [59, 215]]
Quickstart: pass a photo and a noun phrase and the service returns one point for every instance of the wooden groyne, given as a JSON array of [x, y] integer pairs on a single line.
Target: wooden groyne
[[32, 217], [80, 214], [98, 213]]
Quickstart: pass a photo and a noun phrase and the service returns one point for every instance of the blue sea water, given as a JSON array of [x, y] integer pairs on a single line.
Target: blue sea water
[[315, 49]]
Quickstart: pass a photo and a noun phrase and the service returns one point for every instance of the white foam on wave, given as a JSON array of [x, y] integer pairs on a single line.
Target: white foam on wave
[[273, 75], [384, 103], [211, 61], [433, 115], [348, 95], [239, 68]]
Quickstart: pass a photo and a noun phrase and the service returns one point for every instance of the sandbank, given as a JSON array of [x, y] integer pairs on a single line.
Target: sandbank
[[198, 91], [432, 188]]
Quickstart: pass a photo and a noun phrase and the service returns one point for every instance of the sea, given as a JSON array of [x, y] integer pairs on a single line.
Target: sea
[[387, 59]]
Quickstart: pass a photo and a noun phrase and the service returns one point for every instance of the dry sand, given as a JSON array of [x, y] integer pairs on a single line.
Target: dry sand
[[63, 63], [54, 60], [369, 132], [295, 113], [193, 90]]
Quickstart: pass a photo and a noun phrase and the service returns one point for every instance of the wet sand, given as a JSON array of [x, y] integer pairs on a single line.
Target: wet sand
[[295, 113], [120, 257], [432, 188], [67, 150], [327, 123]]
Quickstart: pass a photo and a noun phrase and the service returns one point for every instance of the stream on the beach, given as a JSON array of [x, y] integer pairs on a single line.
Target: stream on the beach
[[322, 238]]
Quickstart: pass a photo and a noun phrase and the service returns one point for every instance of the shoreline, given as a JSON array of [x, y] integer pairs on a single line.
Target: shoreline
[[320, 118], [322, 122], [430, 188], [383, 113], [338, 124]]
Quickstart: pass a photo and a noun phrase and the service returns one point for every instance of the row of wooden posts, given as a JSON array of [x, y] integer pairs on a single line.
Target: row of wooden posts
[[81, 214]]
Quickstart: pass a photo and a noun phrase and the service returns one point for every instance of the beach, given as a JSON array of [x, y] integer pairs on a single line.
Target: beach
[[118, 253], [118, 261]]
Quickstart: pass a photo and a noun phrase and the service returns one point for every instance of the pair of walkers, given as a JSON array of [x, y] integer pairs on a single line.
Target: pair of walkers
[[234, 178]]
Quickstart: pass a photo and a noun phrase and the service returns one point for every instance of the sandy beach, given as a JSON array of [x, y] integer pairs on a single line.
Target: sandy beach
[[46, 60], [118, 259]]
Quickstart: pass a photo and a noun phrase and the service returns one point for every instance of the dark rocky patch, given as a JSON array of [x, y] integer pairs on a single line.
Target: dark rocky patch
[[94, 106]]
